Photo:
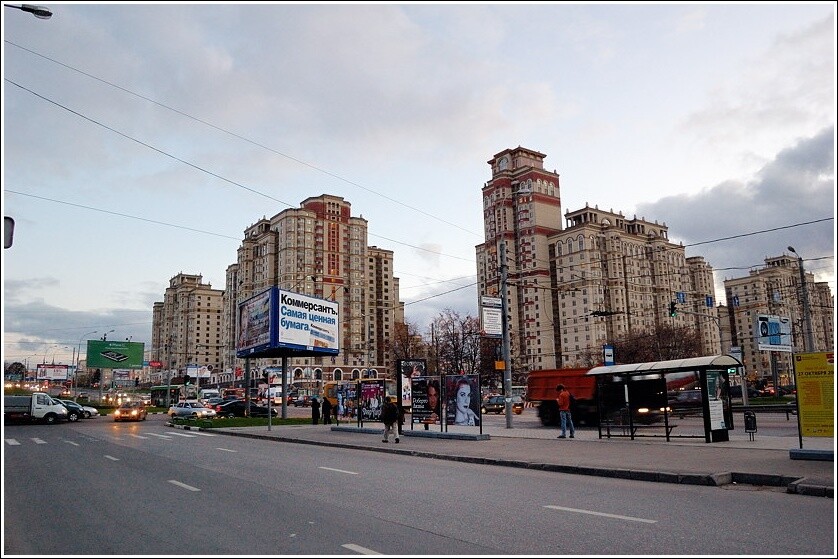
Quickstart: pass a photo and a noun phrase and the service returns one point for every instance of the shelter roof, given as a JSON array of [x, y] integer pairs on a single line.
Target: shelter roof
[[674, 365]]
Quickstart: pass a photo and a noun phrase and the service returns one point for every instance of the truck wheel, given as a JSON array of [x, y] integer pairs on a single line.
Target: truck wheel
[[50, 418]]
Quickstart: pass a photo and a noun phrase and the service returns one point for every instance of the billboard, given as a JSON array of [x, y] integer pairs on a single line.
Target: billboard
[[463, 395], [53, 372], [255, 323], [814, 375], [283, 320], [773, 333], [114, 355]]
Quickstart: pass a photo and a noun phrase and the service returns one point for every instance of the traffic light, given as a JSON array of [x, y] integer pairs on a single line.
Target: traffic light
[[672, 310]]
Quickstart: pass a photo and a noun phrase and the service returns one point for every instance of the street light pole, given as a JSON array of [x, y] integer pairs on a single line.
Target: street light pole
[[807, 315], [75, 383], [38, 11], [101, 374]]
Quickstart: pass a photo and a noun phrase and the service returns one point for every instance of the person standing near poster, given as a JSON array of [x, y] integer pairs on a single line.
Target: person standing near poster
[[389, 415], [327, 411], [315, 411]]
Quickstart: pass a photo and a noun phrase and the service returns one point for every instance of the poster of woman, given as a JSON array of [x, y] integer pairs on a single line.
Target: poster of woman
[[463, 394], [426, 394]]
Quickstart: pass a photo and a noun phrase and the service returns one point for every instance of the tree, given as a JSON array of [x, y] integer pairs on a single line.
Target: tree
[[663, 344], [17, 368], [455, 343]]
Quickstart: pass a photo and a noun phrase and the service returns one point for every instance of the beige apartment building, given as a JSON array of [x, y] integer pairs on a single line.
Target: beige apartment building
[[318, 249], [775, 290], [573, 288], [321, 250], [187, 331]]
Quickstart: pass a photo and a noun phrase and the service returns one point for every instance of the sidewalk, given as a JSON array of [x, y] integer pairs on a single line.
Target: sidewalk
[[765, 461]]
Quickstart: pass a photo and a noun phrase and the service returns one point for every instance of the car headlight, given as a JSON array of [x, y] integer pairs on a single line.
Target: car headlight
[[642, 410]]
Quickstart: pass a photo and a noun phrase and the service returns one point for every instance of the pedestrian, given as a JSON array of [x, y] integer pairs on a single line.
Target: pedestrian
[[327, 411], [315, 411], [389, 415], [337, 411], [564, 411]]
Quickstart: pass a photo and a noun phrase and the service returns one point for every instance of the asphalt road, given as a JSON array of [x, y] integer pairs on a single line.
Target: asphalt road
[[105, 488]]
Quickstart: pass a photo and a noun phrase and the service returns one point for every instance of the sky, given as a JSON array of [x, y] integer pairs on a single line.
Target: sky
[[141, 140]]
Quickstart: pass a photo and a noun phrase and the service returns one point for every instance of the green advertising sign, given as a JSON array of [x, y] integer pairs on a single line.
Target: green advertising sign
[[114, 355]]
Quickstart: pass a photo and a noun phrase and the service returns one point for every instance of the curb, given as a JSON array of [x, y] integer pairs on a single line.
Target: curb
[[792, 485]]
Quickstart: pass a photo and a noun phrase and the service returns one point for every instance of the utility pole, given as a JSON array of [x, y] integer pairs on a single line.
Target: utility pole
[[507, 366], [807, 314]]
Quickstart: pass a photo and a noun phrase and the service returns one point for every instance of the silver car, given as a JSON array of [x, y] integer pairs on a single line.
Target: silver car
[[191, 408]]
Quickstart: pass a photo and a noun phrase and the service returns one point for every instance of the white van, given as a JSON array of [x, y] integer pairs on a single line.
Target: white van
[[274, 393]]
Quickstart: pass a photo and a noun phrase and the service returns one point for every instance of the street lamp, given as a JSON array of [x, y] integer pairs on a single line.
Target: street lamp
[[105, 335], [102, 375], [807, 315], [37, 11], [75, 383]]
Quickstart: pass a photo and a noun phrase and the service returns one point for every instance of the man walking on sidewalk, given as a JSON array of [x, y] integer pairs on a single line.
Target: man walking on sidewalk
[[389, 415], [564, 411]]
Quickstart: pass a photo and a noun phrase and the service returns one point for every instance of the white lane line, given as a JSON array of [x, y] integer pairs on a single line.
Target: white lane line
[[72, 443], [13, 442], [179, 484], [138, 436], [167, 437], [180, 434], [111, 458], [336, 470], [359, 549], [39, 441], [203, 434], [605, 514], [225, 449]]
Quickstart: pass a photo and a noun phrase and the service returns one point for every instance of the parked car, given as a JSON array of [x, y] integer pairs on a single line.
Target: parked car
[[130, 411], [302, 401], [214, 401], [237, 408], [191, 408], [497, 404], [736, 392], [74, 410], [89, 411]]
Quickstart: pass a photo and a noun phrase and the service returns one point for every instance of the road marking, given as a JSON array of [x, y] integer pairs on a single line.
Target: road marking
[[179, 484], [39, 441], [605, 514], [167, 437], [111, 458], [13, 442], [204, 434], [359, 549], [138, 436], [336, 470], [180, 434], [72, 443], [225, 449]]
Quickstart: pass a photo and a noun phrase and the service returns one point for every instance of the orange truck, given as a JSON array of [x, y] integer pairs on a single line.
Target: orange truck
[[541, 391]]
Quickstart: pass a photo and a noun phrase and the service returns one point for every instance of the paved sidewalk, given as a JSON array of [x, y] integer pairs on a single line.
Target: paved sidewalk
[[765, 461]]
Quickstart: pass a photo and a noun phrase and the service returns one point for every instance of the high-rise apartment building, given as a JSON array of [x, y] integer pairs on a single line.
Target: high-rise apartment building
[[187, 329], [775, 290], [572, 289], [521, 210], [319, 249], [616, 277]]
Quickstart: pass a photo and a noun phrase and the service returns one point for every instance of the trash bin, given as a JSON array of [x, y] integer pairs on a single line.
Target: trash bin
[[750, 423]]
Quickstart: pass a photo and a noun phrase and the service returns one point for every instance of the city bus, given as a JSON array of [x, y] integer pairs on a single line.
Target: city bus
[[176, 393]]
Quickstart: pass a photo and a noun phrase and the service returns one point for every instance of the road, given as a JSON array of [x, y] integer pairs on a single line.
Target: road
[[104, 488]]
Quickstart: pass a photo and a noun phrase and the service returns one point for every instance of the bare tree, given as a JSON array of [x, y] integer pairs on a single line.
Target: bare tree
[[663, 344]]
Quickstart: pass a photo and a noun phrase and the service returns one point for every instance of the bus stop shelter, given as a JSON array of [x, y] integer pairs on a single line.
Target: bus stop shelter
[[634, 397]]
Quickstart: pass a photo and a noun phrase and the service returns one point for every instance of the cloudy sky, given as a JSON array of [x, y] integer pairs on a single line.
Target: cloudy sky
[[140, 140]]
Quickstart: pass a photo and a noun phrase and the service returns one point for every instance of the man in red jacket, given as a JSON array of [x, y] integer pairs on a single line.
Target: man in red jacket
[[564, 411]]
